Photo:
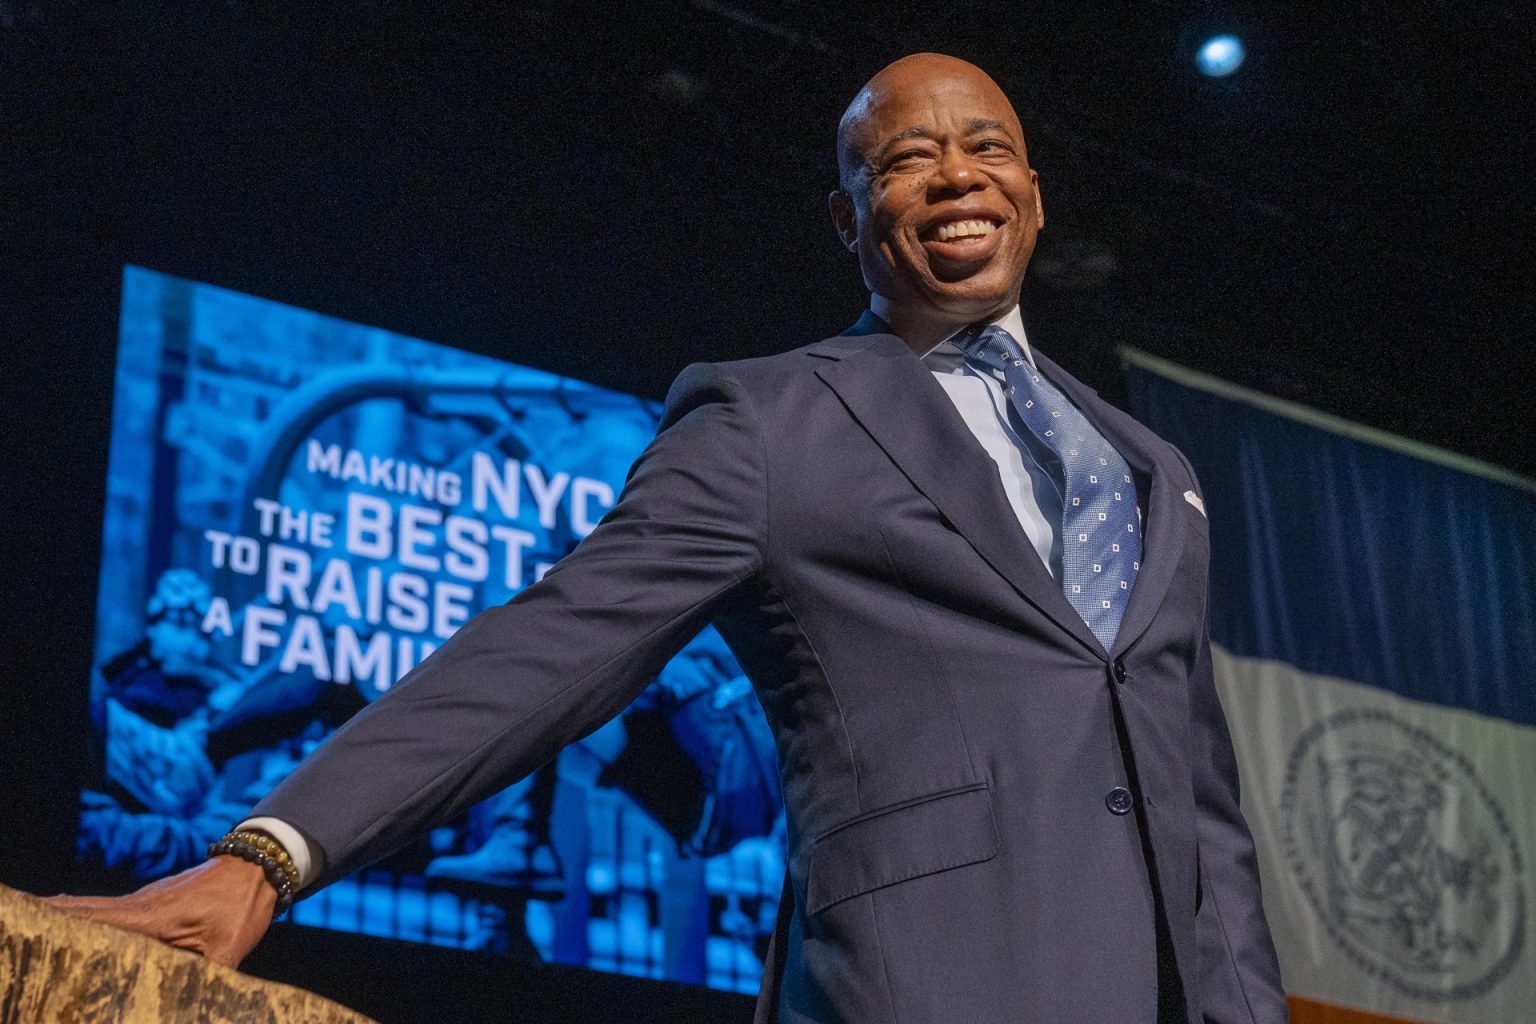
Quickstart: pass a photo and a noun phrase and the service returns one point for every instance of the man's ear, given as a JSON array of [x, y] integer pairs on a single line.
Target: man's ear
[[840, 204]]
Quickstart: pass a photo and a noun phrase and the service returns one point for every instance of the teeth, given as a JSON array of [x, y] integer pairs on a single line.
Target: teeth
[[964, 228]]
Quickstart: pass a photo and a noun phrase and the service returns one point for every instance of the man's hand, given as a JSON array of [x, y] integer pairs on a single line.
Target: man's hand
[[220, 908]]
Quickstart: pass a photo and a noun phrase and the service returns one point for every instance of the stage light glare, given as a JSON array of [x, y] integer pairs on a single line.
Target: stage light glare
[[1219, 56]]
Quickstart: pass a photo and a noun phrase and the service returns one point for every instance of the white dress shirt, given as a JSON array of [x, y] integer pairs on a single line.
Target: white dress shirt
[[986, 410], [979, 398]]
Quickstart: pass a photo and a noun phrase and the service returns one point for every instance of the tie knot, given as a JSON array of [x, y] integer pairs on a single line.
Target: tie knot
[[989, 344]]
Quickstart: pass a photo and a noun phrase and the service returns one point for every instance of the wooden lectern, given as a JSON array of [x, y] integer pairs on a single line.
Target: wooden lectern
[[56, 969]]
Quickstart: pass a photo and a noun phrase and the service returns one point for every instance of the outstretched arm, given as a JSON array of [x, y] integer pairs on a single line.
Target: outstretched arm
[[519, 681]]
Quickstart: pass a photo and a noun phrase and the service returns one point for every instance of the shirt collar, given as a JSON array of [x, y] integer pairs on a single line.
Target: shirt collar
[[946, 356]]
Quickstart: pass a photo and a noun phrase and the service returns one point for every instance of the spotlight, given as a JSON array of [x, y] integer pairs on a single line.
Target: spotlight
[[1219, 56]]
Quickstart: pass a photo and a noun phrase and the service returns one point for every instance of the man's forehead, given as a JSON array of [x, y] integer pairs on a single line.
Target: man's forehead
[[913, 98]]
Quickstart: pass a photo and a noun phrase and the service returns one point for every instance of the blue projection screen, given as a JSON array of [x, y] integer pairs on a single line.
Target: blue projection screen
[[300, 509]]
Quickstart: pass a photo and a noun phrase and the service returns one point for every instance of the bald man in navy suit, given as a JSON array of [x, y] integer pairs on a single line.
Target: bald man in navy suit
[[1007, 801]]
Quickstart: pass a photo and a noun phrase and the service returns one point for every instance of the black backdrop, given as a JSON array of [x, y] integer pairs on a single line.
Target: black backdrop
[[613, 191]]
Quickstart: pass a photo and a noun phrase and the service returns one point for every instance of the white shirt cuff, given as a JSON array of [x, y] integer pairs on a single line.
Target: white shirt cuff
[[288, 836]]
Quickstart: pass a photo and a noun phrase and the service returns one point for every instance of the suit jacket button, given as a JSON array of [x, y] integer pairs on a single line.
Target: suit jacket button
[[1119, 800], [1121, 675]]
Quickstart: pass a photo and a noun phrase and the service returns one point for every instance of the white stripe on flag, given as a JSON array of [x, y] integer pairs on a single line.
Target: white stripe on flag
[[1395, 840]]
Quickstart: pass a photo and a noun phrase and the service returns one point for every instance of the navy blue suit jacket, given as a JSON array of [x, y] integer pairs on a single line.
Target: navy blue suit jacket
[[949, 731]]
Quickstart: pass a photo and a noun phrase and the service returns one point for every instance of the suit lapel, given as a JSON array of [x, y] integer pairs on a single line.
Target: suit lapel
[[1162, 534], [896, 400]]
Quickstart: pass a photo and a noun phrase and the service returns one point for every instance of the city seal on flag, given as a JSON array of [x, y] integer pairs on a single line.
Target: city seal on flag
[[1405, 855]]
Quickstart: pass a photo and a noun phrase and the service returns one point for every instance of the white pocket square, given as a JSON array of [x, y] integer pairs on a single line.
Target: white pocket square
[[1194, 499]]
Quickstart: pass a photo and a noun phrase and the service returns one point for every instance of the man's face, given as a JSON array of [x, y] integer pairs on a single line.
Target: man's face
[[939, 200]]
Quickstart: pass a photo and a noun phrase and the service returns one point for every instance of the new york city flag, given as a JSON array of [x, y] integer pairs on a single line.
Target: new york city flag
[[1373, 613]]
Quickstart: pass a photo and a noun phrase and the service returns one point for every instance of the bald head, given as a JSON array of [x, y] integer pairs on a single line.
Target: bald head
[[896, 82]]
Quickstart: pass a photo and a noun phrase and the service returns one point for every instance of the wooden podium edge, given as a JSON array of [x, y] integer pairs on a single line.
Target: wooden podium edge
[[57, 968]]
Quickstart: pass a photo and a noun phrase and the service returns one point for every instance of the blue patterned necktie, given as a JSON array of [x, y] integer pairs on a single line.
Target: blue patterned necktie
[[1100, 535]]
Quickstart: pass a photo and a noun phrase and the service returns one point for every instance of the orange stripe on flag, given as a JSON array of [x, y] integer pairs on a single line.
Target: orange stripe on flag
[[1306, 1011]]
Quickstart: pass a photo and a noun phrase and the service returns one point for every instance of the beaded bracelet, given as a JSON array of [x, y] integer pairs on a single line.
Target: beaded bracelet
[[272, 848], [266, 853]]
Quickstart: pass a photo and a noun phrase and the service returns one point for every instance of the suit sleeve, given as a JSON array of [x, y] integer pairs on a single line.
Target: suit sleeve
[[1239, 974], [519, 681]]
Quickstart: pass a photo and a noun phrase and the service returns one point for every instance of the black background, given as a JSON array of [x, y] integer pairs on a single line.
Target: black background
[[613, 191]]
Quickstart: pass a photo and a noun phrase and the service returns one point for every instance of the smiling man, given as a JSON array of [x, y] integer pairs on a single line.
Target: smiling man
[[937, 196], [970, 595]]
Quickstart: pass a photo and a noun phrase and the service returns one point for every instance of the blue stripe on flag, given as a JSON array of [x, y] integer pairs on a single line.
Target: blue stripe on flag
[[1352, 559]]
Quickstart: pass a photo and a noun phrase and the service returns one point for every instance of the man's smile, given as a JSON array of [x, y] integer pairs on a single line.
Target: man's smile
[[962, 239], [964, 229]]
